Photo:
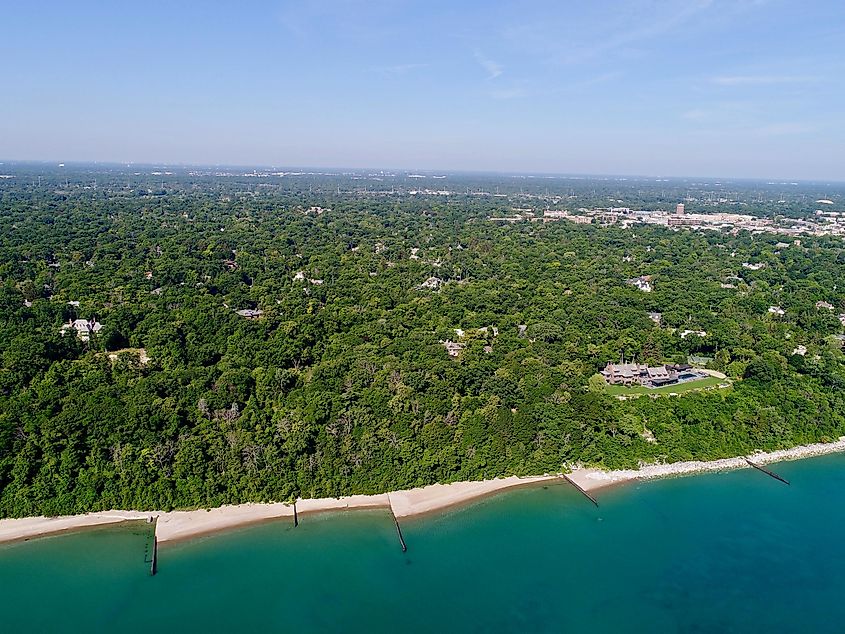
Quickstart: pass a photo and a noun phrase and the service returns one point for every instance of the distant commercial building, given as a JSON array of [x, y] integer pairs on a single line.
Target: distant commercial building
[[679, 209]]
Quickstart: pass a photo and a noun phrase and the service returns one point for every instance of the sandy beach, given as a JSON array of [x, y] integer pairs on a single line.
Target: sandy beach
[[439, 496], [179, 525]]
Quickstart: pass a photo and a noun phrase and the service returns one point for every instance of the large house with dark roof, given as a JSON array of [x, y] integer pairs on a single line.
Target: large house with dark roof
[[641, 374]]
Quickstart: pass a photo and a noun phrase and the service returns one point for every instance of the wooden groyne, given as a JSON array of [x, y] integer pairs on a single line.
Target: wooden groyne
[[295, 516], [581, 489], [154, 558], [398, 528], [151, 549], [767, 472]]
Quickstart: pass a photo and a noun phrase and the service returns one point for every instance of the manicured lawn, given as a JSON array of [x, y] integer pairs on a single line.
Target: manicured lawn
[[690, 386]]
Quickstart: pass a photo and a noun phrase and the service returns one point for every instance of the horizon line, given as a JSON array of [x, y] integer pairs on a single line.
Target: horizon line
[[466, 171]]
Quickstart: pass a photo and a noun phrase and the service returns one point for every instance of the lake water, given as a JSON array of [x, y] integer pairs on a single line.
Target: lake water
[[729, 552]]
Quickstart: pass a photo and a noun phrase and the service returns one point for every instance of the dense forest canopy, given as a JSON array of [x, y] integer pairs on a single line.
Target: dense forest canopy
[[342, 383]]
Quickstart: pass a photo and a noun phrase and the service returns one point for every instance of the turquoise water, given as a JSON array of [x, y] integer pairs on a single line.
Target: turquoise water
[[730, 552]]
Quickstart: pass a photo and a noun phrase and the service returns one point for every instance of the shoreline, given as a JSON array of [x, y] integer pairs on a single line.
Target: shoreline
[[174, 526]]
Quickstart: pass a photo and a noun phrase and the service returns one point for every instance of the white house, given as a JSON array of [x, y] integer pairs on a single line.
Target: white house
[[643, 283], [453, 348], [84, 328], [432, 283]]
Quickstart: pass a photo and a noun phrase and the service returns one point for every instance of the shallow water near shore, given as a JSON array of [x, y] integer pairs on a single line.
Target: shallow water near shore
[[724, 552]]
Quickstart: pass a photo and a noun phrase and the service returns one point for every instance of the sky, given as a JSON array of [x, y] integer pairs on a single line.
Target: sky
[[729, 88]]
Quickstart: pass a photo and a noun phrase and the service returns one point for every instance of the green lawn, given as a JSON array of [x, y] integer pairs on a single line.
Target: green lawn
[[690, 386]]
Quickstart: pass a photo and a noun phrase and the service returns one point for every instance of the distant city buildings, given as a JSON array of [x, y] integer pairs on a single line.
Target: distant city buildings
[[825, 223]]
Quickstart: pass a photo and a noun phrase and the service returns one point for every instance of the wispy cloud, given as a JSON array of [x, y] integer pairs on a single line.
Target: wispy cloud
[[493, 69], [783, 129], [400, 69], [626, 27], [508, 93], [761, 80], [696, 114]]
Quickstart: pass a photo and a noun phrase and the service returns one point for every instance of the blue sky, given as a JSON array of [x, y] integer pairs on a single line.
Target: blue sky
[[744, 88]]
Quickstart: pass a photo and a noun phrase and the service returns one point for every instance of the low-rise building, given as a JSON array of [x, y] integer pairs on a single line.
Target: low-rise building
[[642, 282], [453, 348], [83, 328], [648, 376], [432, 283]]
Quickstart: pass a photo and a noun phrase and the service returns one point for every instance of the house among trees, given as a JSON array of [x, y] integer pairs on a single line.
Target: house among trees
[[453, 348], [825, 305], [800, 350], [250, 313], [84, 328], [648, 376], [643, 282], [433, 283]]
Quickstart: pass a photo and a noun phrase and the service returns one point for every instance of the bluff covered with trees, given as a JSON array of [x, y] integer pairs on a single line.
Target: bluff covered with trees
[[342, 384]]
